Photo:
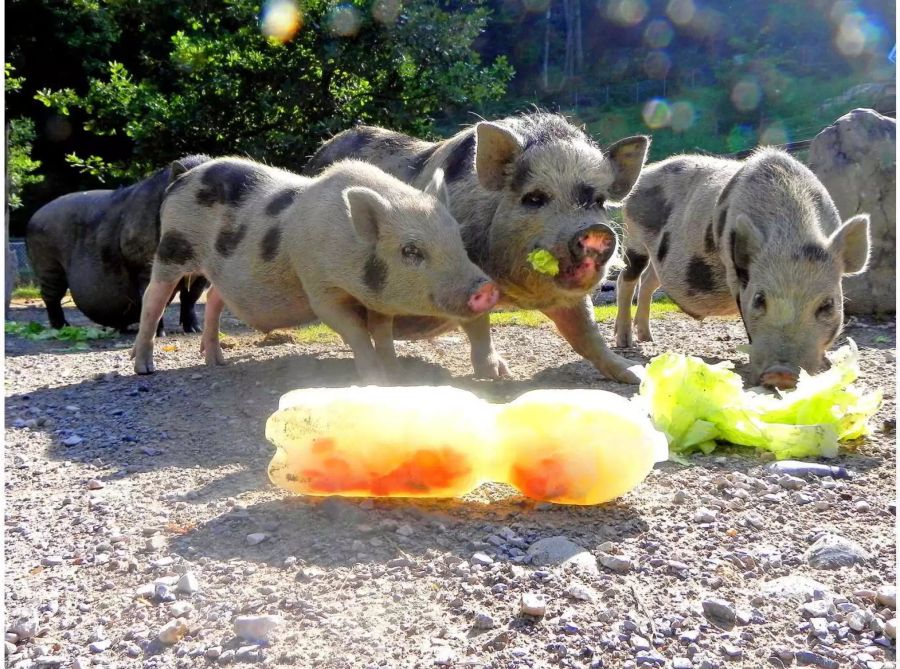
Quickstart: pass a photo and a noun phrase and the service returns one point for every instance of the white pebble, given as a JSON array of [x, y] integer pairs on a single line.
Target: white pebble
[[256, 628], [533, 605], [256, 538], [188, 583], [172, 631], [704, 515]]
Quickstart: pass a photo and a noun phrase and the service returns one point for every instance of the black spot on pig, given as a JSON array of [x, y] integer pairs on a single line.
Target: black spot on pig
[[226, 183], [709, 239], [174, 249], [229, 237], [520, 175], [583, 195], [827, 213], [549, 129], [674, 167], [417, 161], [375, 273], [268, 247], [461, 159], [813, 253], [663, 249], [635, 264], [281, 201], [701, 277], [649, 208]]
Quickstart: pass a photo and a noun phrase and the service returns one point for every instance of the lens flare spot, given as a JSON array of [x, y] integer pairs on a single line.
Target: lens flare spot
[[855, 33], [681, 12], [386, 11], [281, 19], [626, 12], [683, 116], [746, 95], [658, 34], [657, 64], [774, 134], [657, 113], [343, 20]]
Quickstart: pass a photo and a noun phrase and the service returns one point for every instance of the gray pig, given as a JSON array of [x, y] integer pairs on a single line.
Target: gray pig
[[760, 238], [354, 248], [100, 244], [519, 184]]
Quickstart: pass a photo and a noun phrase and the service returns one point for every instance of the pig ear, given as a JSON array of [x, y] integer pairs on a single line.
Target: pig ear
[[495, 148], [367, 211], [850, 243], [437, 187], [627, 156], [746, 241]]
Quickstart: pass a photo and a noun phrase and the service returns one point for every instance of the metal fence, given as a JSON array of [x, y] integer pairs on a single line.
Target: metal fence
[[24, 273]]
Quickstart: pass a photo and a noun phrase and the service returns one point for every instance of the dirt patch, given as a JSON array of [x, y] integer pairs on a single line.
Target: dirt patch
[[116, 486]]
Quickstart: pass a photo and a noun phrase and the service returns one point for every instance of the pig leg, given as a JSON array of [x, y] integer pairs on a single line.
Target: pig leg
[[485, 359], [54, 284], [209, 341], [381, 327], [156, 297], [635, 264], [346, 320], [191, 290], [649, 284], [577, 325]]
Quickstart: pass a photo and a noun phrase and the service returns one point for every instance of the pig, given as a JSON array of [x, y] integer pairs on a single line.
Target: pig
[[100, 244], [354, 248], [526, 182], [760, 238]]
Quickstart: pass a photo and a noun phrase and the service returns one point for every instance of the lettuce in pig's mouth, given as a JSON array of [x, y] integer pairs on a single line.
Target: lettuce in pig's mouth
[[544, 262]]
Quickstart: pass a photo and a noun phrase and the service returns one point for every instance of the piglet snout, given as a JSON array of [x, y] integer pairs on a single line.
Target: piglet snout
[[597, 238], [779, 376], [484, 299]]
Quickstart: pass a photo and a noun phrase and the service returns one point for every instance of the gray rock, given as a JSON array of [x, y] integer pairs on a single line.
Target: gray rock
[[719, 611], [256, 628], [886, 595], [818, 608], [25, 626], [640, 643], [444, 656], [855, 159], [484, 621], [172, 631], [561, 551], [615, 563], [256, 538], [532, 604], [833, 551], [794, 587], [100, 645], [482, 559], [890, 628], [704, 515], [188, 583], [682, 663], [10, 649], [807, 658]]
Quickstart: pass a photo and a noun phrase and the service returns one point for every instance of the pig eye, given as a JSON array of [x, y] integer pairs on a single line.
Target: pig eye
[[826, 308], [600, 201], [412, 253], [535, 198], [759, 301]]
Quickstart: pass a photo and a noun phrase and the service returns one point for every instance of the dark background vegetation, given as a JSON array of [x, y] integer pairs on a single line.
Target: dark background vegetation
[[102, 92]]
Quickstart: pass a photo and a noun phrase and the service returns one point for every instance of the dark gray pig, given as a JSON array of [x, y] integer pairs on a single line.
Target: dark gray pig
[[760, 238], [99, 244], [522, 183], [354, 248]]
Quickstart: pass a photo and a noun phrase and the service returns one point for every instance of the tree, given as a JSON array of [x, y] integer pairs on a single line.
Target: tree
[[176, 78]]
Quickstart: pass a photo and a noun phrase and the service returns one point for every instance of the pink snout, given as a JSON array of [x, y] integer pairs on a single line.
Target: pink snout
[[484, 299], [779, 376]]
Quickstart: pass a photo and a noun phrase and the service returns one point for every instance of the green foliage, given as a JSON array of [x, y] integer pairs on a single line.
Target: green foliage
[[78, 335], [195, 80], [26, 292], [20, 166]]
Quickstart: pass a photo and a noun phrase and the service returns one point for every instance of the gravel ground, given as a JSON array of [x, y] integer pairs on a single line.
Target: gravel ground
[[141, 530]]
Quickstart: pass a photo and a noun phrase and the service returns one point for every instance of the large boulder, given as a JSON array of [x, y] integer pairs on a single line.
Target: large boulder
[[855, 159]]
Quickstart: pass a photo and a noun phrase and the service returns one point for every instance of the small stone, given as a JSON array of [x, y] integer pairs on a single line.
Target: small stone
[[719, 610], [890, 628], [704, 515], [818, 608], [163, 593], [188, 583], [832, 551], [680, 497], [247, 654], [799, 587], [615, 563], [256, 628], [886, 595], [444, 656], [25, 626], [213, 652], [172, 631], [95, 484], [580, 592], [484, 621], [789, 482], [11, 637], [256, 538], [862, 506], [682, 663], [533, 604], [227, 655], [10, 649], [162, 562], [482, 559], [154, 543], [640, 643], [560, 550], [807, 657], [100, 646], [72, 440], [731, 650], [181, 609]]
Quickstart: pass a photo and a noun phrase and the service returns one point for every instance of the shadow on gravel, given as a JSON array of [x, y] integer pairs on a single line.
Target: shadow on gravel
[[332, 531]]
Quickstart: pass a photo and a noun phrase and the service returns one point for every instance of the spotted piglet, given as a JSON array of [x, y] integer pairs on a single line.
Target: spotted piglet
[[760, 238], [353, 247]]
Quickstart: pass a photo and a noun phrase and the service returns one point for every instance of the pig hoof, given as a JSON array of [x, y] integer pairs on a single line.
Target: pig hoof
[[643, 335], [623, 340], [214, 357], [143, 366], [492, 368], [192, 327]]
